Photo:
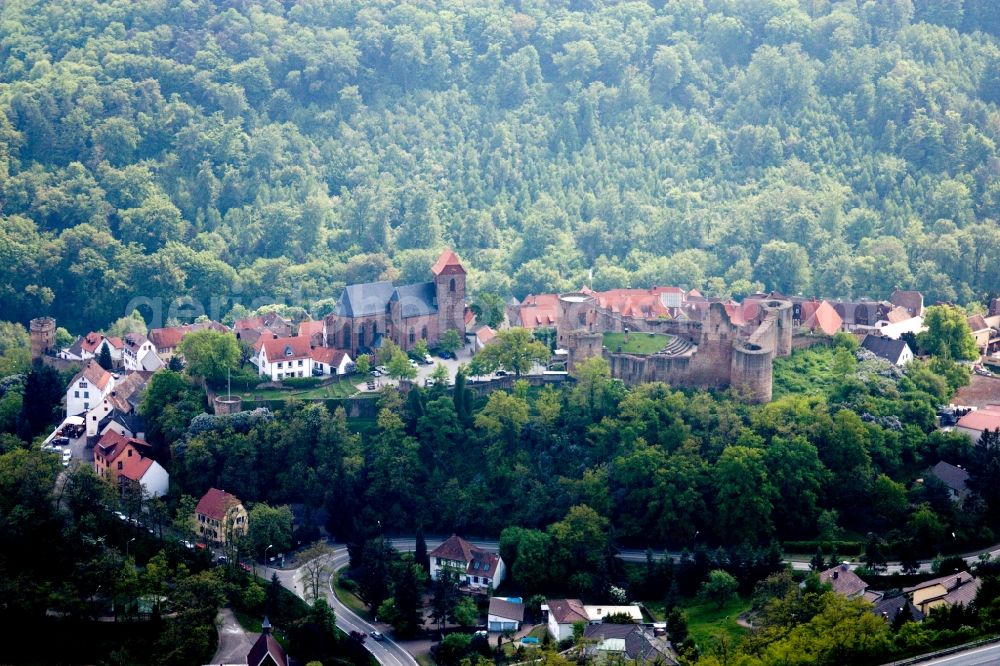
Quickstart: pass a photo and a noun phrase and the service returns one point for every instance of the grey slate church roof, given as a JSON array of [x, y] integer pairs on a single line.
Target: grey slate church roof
[[416, 299], [360, 300]]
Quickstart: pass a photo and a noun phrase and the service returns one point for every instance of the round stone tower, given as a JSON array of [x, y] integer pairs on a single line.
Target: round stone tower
[[228, 404], [783, 320], [577, 311], [751, 371], [43, 336]]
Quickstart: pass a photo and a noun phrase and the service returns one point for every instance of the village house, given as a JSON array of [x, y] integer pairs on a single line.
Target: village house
[[846, 583], [632, 642], [120, 460], [954, 477], [166, 340], [220, 515], [139, 353], [270, 324], [89, 346], [267, 651], [366, 314], [896, 352], [88, 388], [278, 358], [505, 614], [484, 335], [475, 567], [954, 590], [330, 361], [986, 331], [314, 330], [123, 398], [562, 614], [978, 421]]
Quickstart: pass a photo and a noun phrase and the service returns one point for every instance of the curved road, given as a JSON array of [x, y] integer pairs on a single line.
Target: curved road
[[391, 653]]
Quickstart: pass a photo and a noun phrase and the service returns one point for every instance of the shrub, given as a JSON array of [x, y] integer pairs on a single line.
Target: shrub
[[301, 382]]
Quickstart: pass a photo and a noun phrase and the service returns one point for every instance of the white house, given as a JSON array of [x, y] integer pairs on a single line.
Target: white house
[[596, 614], [476, 568], [330, 361], [88, 388], [123, 398], [278, 358], [896, 352], [146, 472], [562, 615], [89, 346], [505, 614], [138, 353]]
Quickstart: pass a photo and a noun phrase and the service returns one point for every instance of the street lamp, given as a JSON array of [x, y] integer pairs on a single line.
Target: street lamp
[[265, 553], [126, 546]]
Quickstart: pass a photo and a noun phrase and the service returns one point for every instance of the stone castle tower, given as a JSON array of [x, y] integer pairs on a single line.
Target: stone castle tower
[[43, 336], [449, 283], [576, 328]]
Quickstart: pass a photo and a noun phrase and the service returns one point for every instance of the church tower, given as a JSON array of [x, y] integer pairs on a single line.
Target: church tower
[[449, 284]]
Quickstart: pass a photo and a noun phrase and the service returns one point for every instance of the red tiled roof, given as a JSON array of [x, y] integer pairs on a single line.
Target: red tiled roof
[[454, 548], [276, 349], [115, 342], [91, 342], [167, 338], [328, 355], [986, 418], [485, 334], [311, 328], [216, 503], [94, 374], [567, 611], [134, 467], [539, 311], [825, 318], [977, 323], [843, 581], [266, 646], [483, 562], [111, 444], [448, 263]]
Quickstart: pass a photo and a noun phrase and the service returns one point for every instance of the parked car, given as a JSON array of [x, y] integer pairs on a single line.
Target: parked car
[[446, 354], [501, 373], [413, 363], [188, 545], [376, 373], [429, 382], [376, 634], [428, 359], [382, 369], [60, 441]]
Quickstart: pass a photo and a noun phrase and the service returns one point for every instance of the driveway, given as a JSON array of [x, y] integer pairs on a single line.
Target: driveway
[[234, 642]]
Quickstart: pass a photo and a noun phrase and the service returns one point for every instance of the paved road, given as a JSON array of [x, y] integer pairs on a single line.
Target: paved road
[[989, 654], [234, 642], [386, 651]]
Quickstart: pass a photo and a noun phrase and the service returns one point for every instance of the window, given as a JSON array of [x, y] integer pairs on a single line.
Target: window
[[86, 405], [83, 384], [281, 364], [438, 561], [412, 336], [486, 566], [451, 285], [300, 363], [76, 394], [119, 464], [423, 333], [130, 453], [86, 394], [469, 579]]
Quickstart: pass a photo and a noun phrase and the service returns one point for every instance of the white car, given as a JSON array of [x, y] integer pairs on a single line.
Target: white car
[[414, 364], [382, 369]]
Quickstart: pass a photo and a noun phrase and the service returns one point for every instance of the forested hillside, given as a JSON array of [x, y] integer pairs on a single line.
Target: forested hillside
[[276, 149]]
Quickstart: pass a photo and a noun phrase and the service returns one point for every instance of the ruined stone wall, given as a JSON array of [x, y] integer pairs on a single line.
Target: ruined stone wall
[[752, 371]]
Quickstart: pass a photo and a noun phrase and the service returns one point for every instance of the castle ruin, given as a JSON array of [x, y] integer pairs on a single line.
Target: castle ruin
[[712, 353]]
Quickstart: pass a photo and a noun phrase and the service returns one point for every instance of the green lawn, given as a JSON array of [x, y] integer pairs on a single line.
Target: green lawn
[[638, 343], [706, 620], [341, 388], [350, 599]]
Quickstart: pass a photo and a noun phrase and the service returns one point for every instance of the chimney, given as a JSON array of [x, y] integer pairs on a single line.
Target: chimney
[[835, 574]]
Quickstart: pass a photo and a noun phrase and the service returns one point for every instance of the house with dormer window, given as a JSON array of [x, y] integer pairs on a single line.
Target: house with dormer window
[[475, 567], [281, 358]]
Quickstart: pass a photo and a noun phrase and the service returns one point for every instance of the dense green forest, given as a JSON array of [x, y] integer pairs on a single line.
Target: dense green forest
[[278, 150]]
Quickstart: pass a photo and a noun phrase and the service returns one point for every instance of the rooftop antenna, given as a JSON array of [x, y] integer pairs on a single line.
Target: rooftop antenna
[[229, 388]]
